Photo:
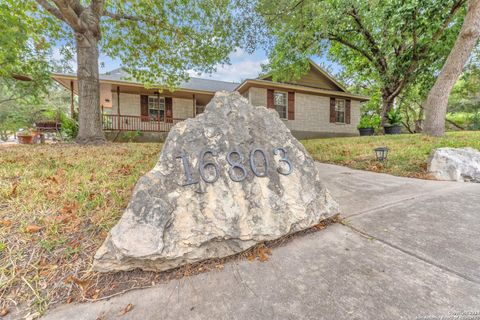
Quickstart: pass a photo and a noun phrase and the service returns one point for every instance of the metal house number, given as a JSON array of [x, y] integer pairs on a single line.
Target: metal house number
[[237, 171]]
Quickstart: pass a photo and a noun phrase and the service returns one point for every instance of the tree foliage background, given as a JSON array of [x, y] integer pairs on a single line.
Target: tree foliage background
[[387, 46]]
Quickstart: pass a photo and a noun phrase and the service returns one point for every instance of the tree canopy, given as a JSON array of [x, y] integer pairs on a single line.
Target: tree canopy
[[393, 43], [157, 41], [24, 53]]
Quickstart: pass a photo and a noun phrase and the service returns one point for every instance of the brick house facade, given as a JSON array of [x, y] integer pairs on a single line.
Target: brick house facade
[[316, 105]]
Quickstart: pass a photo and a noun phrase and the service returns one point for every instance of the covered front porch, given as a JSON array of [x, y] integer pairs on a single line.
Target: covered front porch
[[132, 107], [114, 122]]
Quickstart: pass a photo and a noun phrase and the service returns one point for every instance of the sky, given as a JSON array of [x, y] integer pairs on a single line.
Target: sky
[[243, 65]]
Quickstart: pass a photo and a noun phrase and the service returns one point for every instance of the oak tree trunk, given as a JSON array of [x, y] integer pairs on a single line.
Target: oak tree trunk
[[436, 103], [89, 113], [387, 104]]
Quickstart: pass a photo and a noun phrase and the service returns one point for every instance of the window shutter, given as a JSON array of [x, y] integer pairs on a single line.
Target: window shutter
[[333, 115], [168, 109], [144, 107], [270, 102], [291, 106], [347, 111]]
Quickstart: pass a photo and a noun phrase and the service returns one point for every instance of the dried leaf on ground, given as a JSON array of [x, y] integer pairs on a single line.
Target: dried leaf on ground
[[70, 208], [33, 228], [263, 254], [128, 308], [13, 193], [54, 179], [83, 284], [5, 223], [125, 170], [4, 312]]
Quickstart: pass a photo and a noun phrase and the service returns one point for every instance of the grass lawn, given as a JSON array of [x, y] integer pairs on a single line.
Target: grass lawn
[[58, 202], [407, 157]]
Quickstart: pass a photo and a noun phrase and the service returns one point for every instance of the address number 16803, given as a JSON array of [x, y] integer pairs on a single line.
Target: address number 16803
[[237, 171]]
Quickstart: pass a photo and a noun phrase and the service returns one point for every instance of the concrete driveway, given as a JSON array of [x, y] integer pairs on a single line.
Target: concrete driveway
[[407, 249]]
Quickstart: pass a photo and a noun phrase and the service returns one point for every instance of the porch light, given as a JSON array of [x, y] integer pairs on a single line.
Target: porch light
[[381, 153]]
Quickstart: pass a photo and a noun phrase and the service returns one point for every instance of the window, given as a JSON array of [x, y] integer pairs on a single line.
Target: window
[[280, 102], [340, 111], [156, 108]]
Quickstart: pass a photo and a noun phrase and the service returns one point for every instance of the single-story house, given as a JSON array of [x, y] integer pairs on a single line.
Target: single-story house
[[316, 105]]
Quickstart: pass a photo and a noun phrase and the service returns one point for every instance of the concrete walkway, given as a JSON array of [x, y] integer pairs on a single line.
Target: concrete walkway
[[407, 249]]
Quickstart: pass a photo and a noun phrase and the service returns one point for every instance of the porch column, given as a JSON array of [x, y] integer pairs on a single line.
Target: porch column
[[118, 106], [72, 105], [194, 106], [157, 93]]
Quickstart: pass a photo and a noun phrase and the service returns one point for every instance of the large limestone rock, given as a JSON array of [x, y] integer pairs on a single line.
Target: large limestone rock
[[456, 164], [168, 223]]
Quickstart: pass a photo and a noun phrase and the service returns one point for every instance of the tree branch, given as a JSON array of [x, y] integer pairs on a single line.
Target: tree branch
[[414, 36], [51, 9], [456, 6], [373, 45], [454, 124], [98, 7], [280, 13], [76, 6], [122, 16], [351, 46], [399, 87], [407, 126], [11, 98], [159, 22], [418, 56], [68, 12]]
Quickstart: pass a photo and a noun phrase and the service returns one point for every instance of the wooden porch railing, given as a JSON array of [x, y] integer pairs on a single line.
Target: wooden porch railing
[[117, 122]]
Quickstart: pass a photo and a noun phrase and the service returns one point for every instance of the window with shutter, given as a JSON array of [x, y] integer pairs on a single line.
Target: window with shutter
[[156, 108], [340, 111], [280, 102]]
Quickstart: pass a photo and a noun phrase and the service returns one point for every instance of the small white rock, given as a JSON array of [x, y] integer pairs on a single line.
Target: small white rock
[[455, 164]]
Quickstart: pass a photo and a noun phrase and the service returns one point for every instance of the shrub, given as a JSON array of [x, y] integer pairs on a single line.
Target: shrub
[[394, 118], [69, 126], [474, 121], [369, 121]]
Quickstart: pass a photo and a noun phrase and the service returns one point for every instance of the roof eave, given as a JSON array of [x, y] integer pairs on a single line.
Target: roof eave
[[319, 69], [302, 88], [131, 83]]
